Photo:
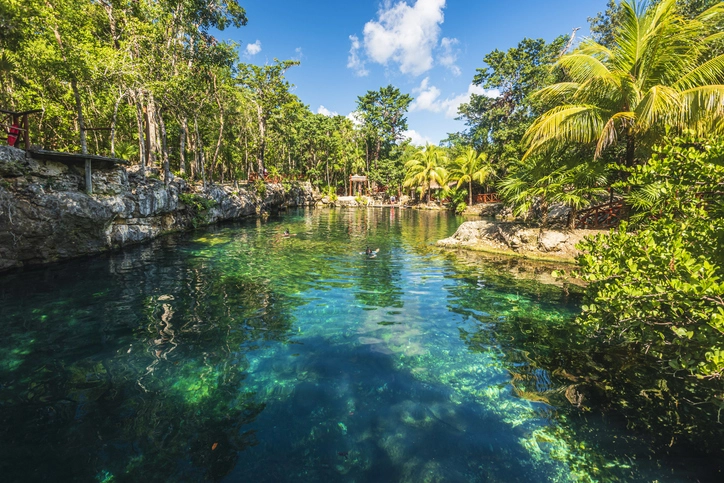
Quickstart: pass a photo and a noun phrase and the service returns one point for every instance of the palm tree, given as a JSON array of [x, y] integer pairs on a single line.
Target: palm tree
[[470, 167], [655, 77], [427, 166], [541, 182]]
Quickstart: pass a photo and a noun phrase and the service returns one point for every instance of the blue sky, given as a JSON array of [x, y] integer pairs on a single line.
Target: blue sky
[[427, 48]]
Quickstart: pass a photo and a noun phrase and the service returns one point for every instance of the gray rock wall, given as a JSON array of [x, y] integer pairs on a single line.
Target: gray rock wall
[[46, 216]]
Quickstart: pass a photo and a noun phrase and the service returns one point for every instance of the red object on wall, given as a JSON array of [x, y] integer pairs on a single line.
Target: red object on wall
[[13, 134]]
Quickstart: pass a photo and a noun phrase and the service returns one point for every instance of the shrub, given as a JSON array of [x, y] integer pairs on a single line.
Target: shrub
[[661, 288], [198, 206], [260, 186]]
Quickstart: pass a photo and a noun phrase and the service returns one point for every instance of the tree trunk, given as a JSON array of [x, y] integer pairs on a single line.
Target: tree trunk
[[141, 141], [152, 142], [200, 152], [218, 141], [377, 151], [630, 151], [111, 24], [113, 123], [182, 146], [164, 148], [470, 190], [81, 119], [262, 140], [572, 218]]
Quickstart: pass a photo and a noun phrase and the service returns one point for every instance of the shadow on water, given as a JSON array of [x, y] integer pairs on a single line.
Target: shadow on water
[[238, 354], [355, 415]]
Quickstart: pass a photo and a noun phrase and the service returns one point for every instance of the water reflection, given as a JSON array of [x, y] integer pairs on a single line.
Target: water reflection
[[238, 354]]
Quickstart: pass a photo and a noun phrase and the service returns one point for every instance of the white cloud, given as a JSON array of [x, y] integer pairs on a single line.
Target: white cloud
[[416, 138], [427, 98], [355, 117], [353, 60], [299, 54], [253, 49], [326, 112], [449, 55], [403, 34]]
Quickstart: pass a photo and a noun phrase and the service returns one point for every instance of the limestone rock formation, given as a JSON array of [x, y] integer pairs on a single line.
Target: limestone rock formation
[[517, 239], [46, 216]]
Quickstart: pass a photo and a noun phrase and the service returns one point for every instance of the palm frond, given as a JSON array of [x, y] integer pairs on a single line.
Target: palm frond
[[557, 93], [582, 67], [702, 102], [710, 72], [609, 133], [659, 103], [568, 123]]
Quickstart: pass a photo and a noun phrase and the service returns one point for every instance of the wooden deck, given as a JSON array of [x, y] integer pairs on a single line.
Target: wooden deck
[[75, 159]]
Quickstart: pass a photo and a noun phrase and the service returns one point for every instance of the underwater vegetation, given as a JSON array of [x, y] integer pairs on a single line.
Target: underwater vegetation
[[238, 354]]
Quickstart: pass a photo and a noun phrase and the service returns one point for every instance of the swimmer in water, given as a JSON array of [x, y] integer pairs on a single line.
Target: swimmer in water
[[370, 253]]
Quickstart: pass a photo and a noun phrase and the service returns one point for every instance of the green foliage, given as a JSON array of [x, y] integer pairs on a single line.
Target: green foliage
[[660, 289], [127, 151], [469, 167], [496, 124], [533, 185], [197, 205], [330, 192], [657, 75], [426, 167], [260, 187], [383, 114]]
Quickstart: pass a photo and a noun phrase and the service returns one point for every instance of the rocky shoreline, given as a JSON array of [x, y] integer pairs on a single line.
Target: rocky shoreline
[[518, 240], [46, 216]]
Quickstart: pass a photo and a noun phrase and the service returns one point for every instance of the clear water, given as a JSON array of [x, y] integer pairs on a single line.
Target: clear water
[[238, 354]]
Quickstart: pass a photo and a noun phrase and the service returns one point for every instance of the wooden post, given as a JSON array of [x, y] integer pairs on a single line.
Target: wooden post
[[88, 177], [26, 134]]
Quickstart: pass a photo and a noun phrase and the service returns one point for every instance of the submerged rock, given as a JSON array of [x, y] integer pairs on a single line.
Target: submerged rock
[[46, 216]]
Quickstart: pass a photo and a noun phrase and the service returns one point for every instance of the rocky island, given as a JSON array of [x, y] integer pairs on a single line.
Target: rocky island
[[517, 239]]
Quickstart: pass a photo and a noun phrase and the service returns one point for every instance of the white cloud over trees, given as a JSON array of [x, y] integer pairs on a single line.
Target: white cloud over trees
[[253, 49], [427, 98], [405, 35]]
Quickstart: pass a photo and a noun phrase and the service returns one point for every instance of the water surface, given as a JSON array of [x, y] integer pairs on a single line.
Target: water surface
[[239, 354]]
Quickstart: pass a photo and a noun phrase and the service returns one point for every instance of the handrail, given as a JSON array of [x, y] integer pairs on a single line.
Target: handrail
[[487, 198], [604, 215]]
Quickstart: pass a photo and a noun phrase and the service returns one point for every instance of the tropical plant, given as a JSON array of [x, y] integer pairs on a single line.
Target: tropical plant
[[657, 75], [126, 150], [660, 289], [496, 124], [426, 167], [383, 114], [537, 183], [470, 167]]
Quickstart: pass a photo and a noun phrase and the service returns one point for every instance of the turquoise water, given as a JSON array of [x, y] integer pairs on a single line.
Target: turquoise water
[[239, 354]]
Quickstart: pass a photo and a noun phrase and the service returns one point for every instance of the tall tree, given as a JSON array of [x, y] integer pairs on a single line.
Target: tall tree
[[426, 167], [496, 124], [270, 91], [383, 113]]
